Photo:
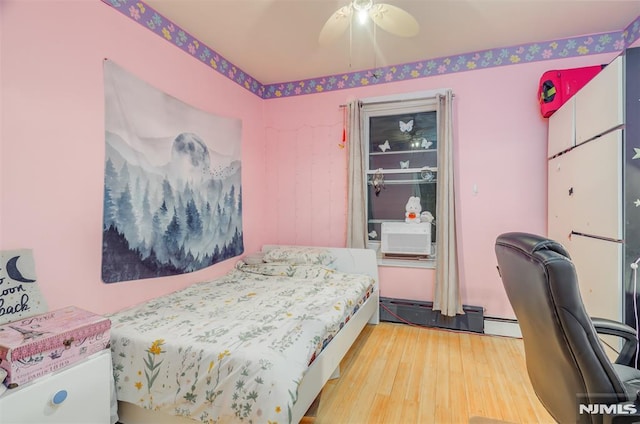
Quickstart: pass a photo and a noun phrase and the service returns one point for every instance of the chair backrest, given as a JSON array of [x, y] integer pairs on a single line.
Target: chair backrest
[[565, 360]]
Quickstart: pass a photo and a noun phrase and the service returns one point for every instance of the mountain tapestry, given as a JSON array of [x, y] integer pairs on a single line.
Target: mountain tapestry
[[172, 192]]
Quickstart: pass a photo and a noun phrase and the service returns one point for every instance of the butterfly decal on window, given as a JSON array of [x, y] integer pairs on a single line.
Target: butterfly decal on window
[[404, 164], [426, 143], [385, 146], [373, 234], [406, 126]]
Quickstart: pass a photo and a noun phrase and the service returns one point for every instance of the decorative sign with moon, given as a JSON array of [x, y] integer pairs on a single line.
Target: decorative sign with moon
[[19, 292]]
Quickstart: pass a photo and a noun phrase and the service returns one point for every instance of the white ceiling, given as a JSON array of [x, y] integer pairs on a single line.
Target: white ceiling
[[277, 40]]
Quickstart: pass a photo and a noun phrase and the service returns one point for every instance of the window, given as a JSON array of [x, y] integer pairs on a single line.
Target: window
[[401, 150], [406, 124]]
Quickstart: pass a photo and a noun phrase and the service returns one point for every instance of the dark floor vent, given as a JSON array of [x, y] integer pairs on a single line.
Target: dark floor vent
[[422, 313]]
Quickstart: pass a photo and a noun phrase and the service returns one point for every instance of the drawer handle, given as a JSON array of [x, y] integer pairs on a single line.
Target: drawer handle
[[59, 397]]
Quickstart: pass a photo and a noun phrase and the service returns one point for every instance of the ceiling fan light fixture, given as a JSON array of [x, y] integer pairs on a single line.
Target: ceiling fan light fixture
[[362, 5], [391, 19], [362, 16], [362, 8]]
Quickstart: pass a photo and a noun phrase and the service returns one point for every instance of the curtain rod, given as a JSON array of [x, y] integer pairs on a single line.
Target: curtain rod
[[399, 100]]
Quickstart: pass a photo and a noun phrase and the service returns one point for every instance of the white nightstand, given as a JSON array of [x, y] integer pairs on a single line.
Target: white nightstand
[[78, 394]]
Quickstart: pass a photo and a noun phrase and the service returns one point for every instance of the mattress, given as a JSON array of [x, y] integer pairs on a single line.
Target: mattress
[[234, 349]]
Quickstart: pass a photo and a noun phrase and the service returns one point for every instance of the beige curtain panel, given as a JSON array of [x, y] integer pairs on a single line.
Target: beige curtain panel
[[357, 206], [447, 287]]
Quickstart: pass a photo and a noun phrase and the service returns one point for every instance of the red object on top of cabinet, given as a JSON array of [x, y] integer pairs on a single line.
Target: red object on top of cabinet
[[558, 86]]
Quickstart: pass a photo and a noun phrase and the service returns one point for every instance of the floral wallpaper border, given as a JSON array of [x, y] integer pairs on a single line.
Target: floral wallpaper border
[[524, 53]]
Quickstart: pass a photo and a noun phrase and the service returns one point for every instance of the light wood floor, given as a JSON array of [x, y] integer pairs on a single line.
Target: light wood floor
[[400, 374]]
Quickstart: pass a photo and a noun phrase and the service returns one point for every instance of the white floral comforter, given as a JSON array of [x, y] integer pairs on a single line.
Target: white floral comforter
[[234, 349]]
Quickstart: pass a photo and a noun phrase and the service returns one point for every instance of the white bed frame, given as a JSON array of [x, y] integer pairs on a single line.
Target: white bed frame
[[324, 367]]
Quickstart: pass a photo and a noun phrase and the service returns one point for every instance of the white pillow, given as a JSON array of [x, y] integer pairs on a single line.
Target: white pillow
[[254, 258], [300, 255]]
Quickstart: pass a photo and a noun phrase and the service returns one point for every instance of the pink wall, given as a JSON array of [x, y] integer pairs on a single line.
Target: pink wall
[[52, 140], [294, 175], [500, 148], [2, 13]]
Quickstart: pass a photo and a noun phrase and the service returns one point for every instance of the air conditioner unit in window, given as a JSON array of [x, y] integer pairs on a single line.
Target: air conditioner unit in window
[[402, 238]]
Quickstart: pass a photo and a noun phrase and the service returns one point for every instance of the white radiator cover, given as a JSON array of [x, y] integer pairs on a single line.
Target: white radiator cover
[[402, 238]]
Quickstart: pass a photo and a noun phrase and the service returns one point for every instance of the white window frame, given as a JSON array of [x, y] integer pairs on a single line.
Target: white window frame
[[396, 105]]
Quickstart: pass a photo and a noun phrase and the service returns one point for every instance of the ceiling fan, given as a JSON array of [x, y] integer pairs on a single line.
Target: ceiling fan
[[390, 18]]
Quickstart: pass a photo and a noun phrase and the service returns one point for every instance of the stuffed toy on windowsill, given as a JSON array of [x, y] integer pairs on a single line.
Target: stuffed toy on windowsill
[[413, 209], [426, 216]]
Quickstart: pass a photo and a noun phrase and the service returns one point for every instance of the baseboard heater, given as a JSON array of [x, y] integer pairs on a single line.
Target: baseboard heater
[[422, 313]]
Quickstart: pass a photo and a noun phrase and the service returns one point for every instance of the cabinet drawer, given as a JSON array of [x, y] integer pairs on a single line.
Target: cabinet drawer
[[85, 384], [599, 104]]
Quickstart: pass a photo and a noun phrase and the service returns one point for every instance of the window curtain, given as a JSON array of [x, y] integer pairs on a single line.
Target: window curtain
[[356, 207], [447, 287]]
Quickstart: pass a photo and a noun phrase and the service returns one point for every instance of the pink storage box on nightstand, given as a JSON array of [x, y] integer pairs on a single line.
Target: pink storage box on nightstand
[[38, 345]]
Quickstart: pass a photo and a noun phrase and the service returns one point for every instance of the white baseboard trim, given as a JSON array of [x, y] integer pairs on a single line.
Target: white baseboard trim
[[502, 327]]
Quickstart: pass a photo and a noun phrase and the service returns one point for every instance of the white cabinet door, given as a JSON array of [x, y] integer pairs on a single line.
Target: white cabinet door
[[585, 189], [598, 266], [561, 134], [82, 391], [599, 104], [596, 186], [559, 205]]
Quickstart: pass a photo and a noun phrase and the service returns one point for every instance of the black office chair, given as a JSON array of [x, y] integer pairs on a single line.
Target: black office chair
[[565, 360]]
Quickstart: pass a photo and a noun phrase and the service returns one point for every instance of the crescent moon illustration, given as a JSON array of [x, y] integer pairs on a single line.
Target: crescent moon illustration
[[14, 273]]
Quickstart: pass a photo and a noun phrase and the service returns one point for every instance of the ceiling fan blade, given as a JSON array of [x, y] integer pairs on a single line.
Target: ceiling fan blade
[[337, 23], [394, 20]]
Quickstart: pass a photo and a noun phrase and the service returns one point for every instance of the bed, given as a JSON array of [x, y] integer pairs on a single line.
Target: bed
[[235, 349]]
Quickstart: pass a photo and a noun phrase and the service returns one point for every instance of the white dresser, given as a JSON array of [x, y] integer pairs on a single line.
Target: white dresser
[[594, 185], [78, 394]]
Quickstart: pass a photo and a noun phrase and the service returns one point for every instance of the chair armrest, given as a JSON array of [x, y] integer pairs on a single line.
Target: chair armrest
[[614, 328]]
